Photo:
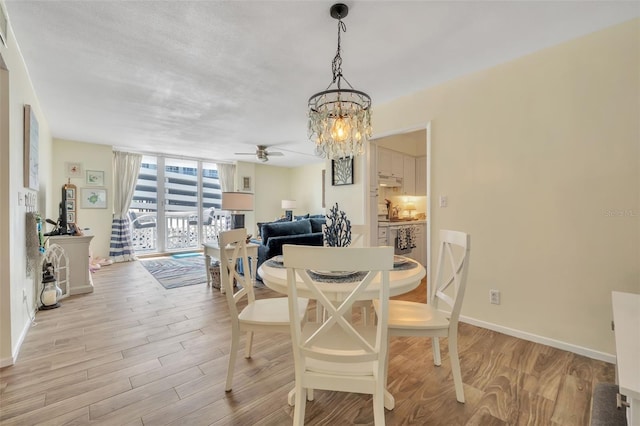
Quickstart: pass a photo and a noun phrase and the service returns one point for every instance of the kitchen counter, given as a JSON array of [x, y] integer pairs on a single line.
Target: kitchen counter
[[402, 222]]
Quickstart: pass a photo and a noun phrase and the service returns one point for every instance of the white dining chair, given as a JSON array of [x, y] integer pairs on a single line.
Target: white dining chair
[[336, 354], [439, 317], [268, 315]]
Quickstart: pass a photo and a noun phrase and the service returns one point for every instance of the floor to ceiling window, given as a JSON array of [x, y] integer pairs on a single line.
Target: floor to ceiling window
[[175, 206]]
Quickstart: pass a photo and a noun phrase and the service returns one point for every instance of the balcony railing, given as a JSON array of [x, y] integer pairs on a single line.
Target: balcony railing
[[181, 230]]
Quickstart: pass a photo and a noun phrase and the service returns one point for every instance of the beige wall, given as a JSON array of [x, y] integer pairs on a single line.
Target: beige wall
[[91, 157], [539, 158], [16, 91]]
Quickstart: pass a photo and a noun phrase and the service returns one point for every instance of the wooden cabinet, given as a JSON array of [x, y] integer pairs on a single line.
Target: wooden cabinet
[[77, 249]]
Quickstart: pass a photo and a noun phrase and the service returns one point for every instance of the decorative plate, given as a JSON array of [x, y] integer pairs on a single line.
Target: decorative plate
[[399, 260], [334, 274]]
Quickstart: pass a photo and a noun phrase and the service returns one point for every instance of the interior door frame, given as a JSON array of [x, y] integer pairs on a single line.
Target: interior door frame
[[371, 188]]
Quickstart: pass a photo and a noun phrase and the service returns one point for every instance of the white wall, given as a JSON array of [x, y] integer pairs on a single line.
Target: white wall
[[539, 158], [15, 313]]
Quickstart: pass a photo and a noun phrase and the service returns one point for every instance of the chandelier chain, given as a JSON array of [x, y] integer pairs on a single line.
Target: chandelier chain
[[336, 64]]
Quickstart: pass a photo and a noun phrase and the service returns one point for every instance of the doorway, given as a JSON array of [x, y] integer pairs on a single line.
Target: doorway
[[413, 197]]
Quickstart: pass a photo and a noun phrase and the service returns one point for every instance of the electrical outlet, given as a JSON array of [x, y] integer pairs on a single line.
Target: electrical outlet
[[494, 297]]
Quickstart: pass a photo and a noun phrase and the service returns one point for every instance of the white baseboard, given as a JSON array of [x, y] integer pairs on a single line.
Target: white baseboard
[[5, 362], [589, 353]]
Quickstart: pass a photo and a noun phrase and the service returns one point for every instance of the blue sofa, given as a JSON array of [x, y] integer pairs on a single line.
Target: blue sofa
[[276, 234]]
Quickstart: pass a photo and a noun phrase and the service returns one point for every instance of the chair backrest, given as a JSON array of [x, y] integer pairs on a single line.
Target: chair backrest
[[452, 268], [358, 234], [350, 345], [229, 269]]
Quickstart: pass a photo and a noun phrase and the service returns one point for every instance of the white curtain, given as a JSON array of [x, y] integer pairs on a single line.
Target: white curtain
[[227, 176], [126, 167]]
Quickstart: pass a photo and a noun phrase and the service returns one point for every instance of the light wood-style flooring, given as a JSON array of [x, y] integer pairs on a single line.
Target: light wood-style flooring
[[133, 353]]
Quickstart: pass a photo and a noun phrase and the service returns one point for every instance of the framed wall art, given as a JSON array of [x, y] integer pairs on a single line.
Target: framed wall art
[[93, 198], [73, 169], [246, 183], [342, 171], [95, 177], [31, 149]]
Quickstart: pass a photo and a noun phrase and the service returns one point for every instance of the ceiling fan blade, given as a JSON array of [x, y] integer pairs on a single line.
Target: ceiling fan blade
[[276, 154], [244, 153]]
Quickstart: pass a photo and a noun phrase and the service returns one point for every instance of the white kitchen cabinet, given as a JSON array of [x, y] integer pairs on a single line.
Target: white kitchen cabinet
[[397, 164], [409, 179], [384, 162], [421, 176], [382, 236]]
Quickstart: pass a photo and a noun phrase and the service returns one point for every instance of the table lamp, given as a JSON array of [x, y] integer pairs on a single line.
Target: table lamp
[[237, 202], [409, 207], [288, 206]]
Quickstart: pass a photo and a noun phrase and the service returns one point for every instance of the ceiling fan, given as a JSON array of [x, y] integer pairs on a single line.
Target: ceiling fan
[[261, 153]]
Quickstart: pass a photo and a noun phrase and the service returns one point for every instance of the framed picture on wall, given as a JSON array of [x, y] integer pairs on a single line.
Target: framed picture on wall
[[73, 169], [31, 148], [95, 177], [93, 198], [342, 171], [246, 183], [71, 193]]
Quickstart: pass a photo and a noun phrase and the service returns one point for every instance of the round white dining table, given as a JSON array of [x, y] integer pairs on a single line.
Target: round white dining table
[[402, 280]]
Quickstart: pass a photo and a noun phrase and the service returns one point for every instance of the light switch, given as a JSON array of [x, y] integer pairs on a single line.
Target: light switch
[[20, 198], [443, 201]]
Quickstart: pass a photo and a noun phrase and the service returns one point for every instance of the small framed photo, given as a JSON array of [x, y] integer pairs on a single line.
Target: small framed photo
[[95, 177], [71, 217], [93, 198], [71, 205], [246, 183], [71, 194], [342, 171], [73, 169]]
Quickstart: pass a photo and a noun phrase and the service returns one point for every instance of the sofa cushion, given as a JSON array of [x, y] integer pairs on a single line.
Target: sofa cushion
[[305, 216], [285, 228], [259, 224], [316, 224]]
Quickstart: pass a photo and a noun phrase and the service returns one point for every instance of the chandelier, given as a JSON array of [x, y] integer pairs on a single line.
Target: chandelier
[[339, 118]]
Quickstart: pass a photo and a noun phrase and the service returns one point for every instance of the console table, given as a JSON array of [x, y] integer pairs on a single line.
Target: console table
[[77, 249], [213, 250], [626, 318]]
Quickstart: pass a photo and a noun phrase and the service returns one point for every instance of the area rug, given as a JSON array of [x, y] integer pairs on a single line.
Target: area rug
[[174, 273]]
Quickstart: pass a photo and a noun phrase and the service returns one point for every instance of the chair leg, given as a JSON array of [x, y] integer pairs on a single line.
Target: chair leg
[[309, 394], [378, 406], [235, 340], [436, 351], [300, 405], [248, 345], [455, 367]]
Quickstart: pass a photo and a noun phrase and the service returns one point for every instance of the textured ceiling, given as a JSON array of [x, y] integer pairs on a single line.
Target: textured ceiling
[[210, 78]]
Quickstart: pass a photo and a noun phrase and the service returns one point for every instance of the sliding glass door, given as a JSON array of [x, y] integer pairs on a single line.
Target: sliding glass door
[[175, 205]]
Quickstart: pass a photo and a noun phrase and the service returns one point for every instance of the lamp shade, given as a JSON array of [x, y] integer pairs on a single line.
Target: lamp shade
[[238, 201], [288, 204]]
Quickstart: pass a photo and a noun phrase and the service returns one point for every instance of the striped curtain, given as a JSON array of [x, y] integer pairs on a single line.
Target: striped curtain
[[126, 167]]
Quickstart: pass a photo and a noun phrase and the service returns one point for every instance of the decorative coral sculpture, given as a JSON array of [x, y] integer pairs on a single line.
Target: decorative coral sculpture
[[337, 231]]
